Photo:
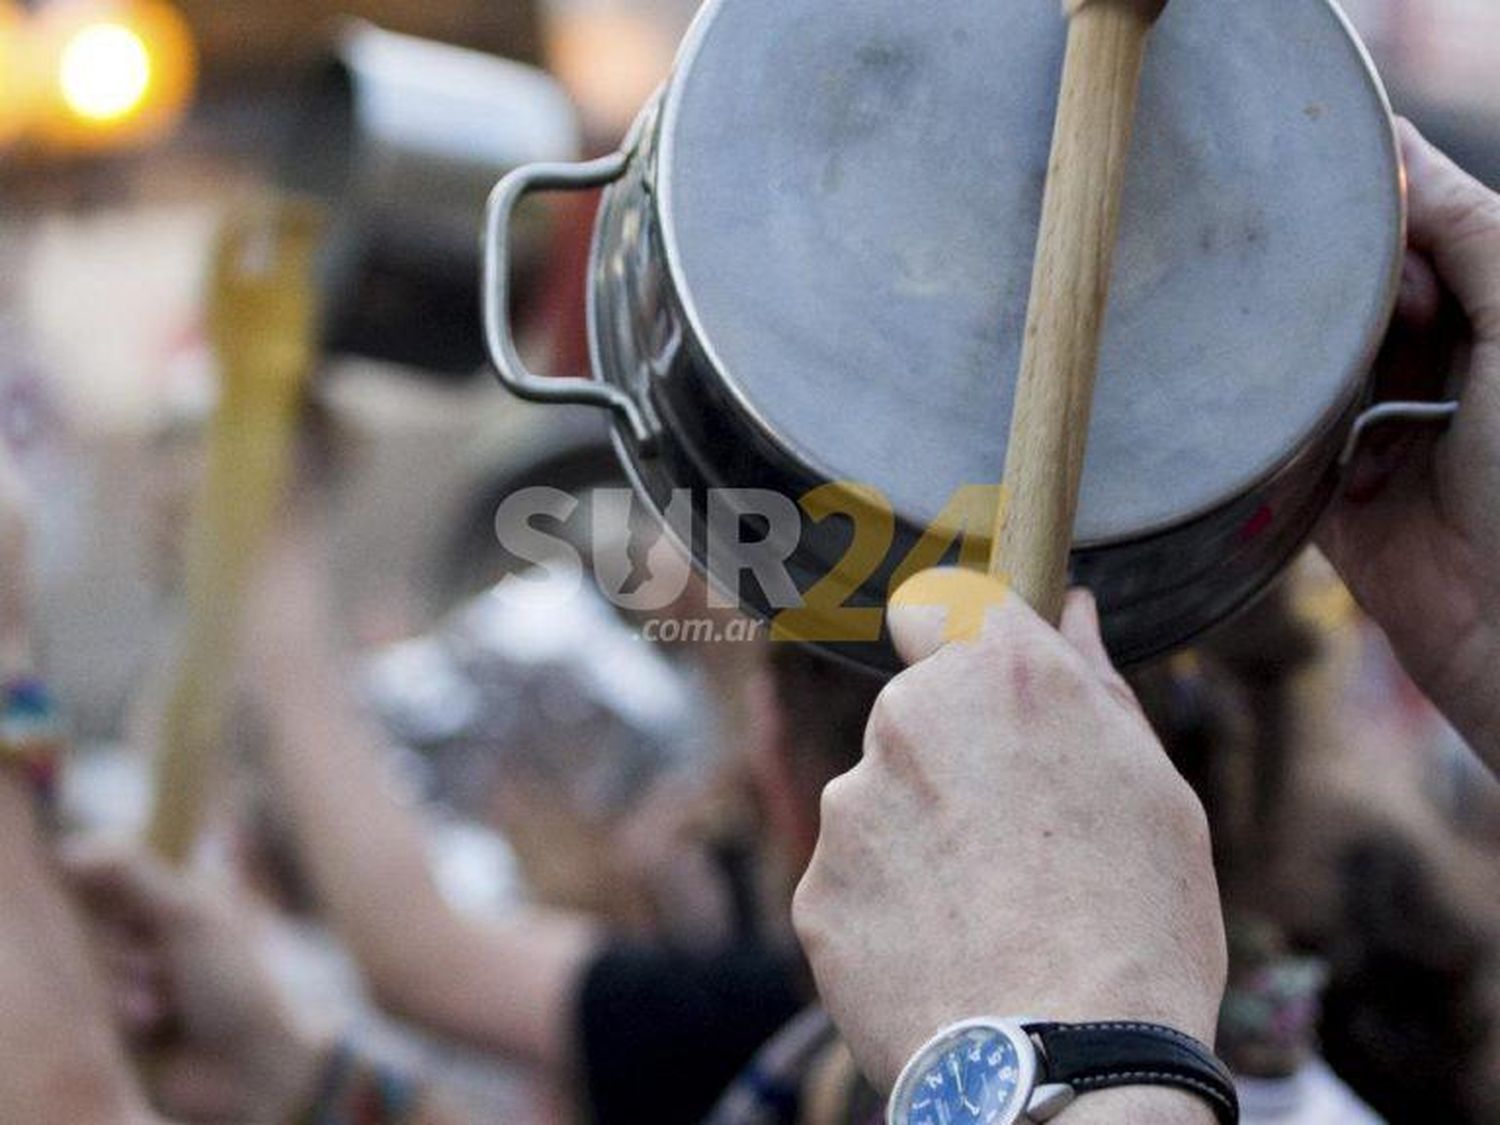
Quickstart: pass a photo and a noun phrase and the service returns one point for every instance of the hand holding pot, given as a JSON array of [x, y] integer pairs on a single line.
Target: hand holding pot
[[1417, 537], [1015, 841]]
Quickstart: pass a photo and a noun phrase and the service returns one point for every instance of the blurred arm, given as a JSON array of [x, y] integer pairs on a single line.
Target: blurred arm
[[503, 985], [60, 1064]]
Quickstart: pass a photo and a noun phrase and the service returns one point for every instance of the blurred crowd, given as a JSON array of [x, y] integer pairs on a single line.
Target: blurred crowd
[[477, 853]]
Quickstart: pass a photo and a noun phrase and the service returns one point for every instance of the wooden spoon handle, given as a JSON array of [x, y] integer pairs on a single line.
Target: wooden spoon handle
[[262, 320], [1069, 294]]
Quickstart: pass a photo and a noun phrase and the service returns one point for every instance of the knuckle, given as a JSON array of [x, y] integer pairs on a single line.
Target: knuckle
[[813, 914], [807, 912], [1485, 317], [1184, 814], [1483, 214], [893, 718], [833, 803], [1469, 209], [1026, 659], [1050, 656]]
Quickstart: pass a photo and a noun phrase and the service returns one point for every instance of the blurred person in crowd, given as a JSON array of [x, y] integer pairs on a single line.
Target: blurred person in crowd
[[605, 762], [1361, 919], [1202, 708], [619, 1020]]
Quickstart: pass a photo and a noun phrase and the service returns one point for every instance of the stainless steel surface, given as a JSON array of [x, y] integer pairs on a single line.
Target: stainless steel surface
[[410, 135], [402, 139], [1048, 1101], [816, 264]]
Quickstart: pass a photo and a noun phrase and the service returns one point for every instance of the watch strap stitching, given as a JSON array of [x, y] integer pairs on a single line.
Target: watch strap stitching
[[1127, 1076]]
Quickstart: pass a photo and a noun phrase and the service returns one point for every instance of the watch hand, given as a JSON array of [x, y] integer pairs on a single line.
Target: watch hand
[[958, 1080]]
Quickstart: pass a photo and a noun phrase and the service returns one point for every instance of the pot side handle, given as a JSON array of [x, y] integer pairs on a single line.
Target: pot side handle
[[499, 339], [1438, 414]]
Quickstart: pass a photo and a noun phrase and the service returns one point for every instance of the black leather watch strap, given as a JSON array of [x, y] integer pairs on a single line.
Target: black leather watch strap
[[1097, 1056]]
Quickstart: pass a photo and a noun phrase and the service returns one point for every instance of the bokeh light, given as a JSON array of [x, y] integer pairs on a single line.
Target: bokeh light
[[117, 73], [106, 72]]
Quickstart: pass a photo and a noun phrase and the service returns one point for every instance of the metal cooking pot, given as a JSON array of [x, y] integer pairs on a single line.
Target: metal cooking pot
[[813, 263], [402, 138]]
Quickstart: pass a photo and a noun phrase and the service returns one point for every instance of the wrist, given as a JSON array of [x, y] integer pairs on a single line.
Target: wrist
[[1158, 1105], [1143, 994]]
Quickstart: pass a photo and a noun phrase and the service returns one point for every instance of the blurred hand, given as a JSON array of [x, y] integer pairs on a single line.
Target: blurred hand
[[219, 1041], [1417, 537], [1014, 843]]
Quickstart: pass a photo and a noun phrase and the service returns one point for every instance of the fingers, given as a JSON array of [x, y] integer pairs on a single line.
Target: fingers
[[129, 902], [1455, 221], [943, 606], [138, 989], [1421, 295], [1080, 627], [127, 887]]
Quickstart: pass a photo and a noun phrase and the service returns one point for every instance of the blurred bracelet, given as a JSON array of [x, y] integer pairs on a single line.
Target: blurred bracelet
[[32, 739], [356, 1091]]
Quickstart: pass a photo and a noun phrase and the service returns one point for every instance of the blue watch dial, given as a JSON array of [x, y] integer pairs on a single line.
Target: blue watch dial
[[974, 1076]]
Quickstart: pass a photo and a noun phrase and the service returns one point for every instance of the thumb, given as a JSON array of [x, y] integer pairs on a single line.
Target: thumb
[[1455, 220], [938, 607]]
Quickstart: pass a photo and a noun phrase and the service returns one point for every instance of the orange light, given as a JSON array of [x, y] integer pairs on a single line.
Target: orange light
[[13, 110], [105, 72], [117, 72]]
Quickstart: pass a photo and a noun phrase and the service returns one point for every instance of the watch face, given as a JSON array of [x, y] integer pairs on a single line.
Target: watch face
[[971, 1073]]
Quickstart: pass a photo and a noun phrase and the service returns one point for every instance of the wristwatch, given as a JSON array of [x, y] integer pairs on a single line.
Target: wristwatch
[[1015, 1071]]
